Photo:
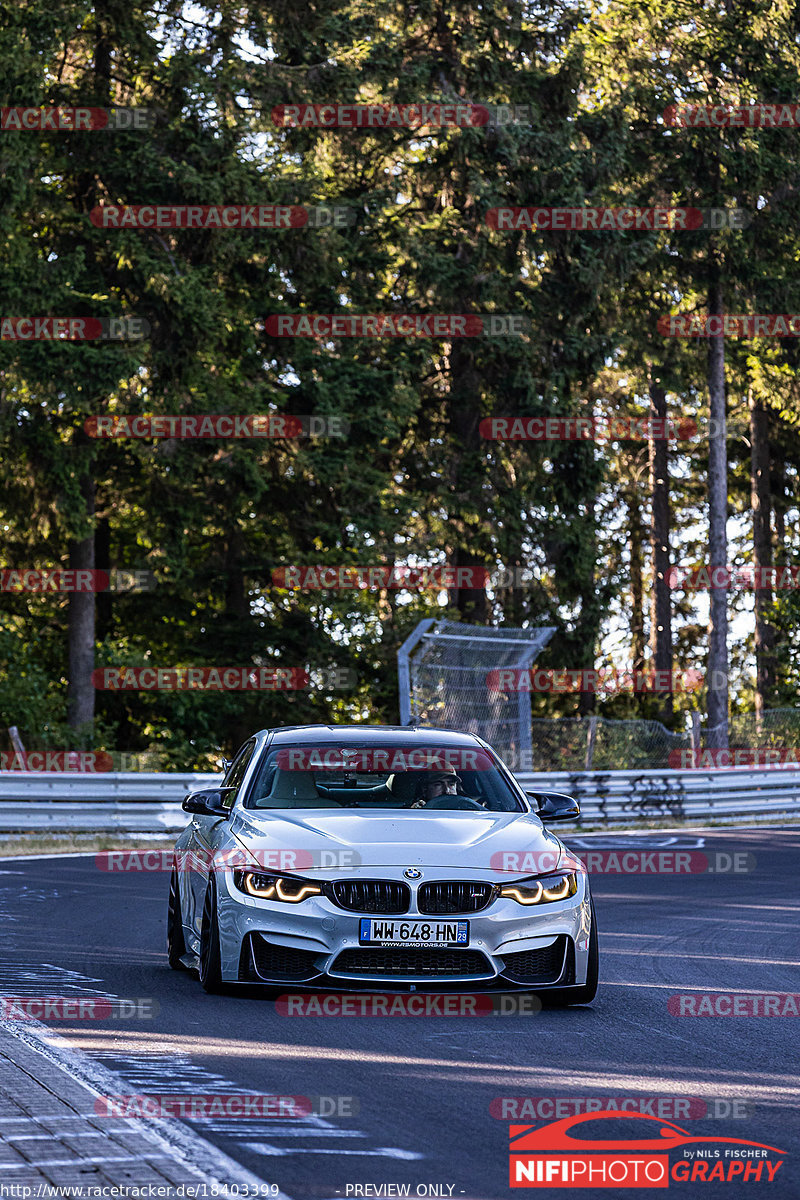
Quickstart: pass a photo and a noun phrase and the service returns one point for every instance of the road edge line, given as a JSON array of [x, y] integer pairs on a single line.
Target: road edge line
[[182, 1143]]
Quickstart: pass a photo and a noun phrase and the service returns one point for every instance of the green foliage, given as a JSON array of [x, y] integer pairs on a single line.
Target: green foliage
[[414, 480]]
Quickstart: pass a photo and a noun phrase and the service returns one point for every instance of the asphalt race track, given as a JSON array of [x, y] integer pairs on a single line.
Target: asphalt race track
[[422, 1088]]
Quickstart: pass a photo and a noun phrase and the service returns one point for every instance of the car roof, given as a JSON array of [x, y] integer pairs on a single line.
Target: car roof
[[383, 735]]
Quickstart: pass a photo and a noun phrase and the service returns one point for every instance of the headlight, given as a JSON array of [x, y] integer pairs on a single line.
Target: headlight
[[544, 890], [287, 888]]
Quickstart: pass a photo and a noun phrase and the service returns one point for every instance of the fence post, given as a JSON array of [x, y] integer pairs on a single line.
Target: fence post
[[403, 671], [17, 746], [590, 742], [695, 736]]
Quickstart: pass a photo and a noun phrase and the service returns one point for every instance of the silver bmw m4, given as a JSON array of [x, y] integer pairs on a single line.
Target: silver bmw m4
[[400, 858]]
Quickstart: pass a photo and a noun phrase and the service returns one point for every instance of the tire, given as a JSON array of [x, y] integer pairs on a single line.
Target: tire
[[585, 993], [176, 946], [210, 969]]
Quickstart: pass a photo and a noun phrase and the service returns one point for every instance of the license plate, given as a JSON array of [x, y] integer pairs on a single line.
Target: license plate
[[373, 932]]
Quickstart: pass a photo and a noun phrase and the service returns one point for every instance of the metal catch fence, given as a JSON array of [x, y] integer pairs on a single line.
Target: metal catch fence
[[443, 674]]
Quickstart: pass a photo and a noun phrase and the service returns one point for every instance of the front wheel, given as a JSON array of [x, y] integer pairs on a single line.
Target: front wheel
[[584, 993], [210, 966]]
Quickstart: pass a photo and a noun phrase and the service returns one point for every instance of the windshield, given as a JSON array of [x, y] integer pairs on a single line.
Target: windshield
[[418, 779]]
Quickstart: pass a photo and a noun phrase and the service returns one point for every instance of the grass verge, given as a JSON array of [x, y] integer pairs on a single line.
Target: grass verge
[[12, 844]]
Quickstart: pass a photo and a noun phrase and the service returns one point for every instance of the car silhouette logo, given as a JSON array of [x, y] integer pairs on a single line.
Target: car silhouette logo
[[557, 1136], [412, 873]]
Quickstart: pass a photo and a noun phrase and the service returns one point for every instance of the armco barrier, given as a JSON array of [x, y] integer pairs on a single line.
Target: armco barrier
[[143, 802], [135, 802], [623, 797]]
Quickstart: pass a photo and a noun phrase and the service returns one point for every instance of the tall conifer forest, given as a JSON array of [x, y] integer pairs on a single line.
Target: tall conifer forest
[[607, 193]]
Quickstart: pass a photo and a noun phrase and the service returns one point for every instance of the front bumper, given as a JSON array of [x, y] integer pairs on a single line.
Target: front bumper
[[315, 944]]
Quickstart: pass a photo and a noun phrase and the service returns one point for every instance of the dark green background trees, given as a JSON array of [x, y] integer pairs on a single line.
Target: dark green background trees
[[414, 481]]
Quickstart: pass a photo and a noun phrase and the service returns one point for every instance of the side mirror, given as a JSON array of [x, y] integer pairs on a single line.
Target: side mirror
[[555, 806], [209, 803]]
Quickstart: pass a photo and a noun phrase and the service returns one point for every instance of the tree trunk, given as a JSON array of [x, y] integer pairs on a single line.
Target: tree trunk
[[778, 492], [637, 582], [466, 472], [82, 605], [660, 523], [761, 499], [102, 555], [81, 620], [233, 640], [717, 702]]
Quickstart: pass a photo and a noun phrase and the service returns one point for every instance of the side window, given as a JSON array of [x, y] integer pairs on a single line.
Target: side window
[[236, 772]]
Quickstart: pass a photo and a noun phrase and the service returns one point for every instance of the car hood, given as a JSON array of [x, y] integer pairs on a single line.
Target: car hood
[[460, 840]]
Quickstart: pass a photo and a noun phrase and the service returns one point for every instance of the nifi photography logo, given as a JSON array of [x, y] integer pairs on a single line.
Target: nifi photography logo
[[583, 1151]]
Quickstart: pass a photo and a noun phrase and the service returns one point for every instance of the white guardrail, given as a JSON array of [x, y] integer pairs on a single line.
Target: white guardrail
[[142, 802], [126, 802], [622, 797]]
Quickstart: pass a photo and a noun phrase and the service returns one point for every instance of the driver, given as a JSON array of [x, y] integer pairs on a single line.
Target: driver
[[437, 783]]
